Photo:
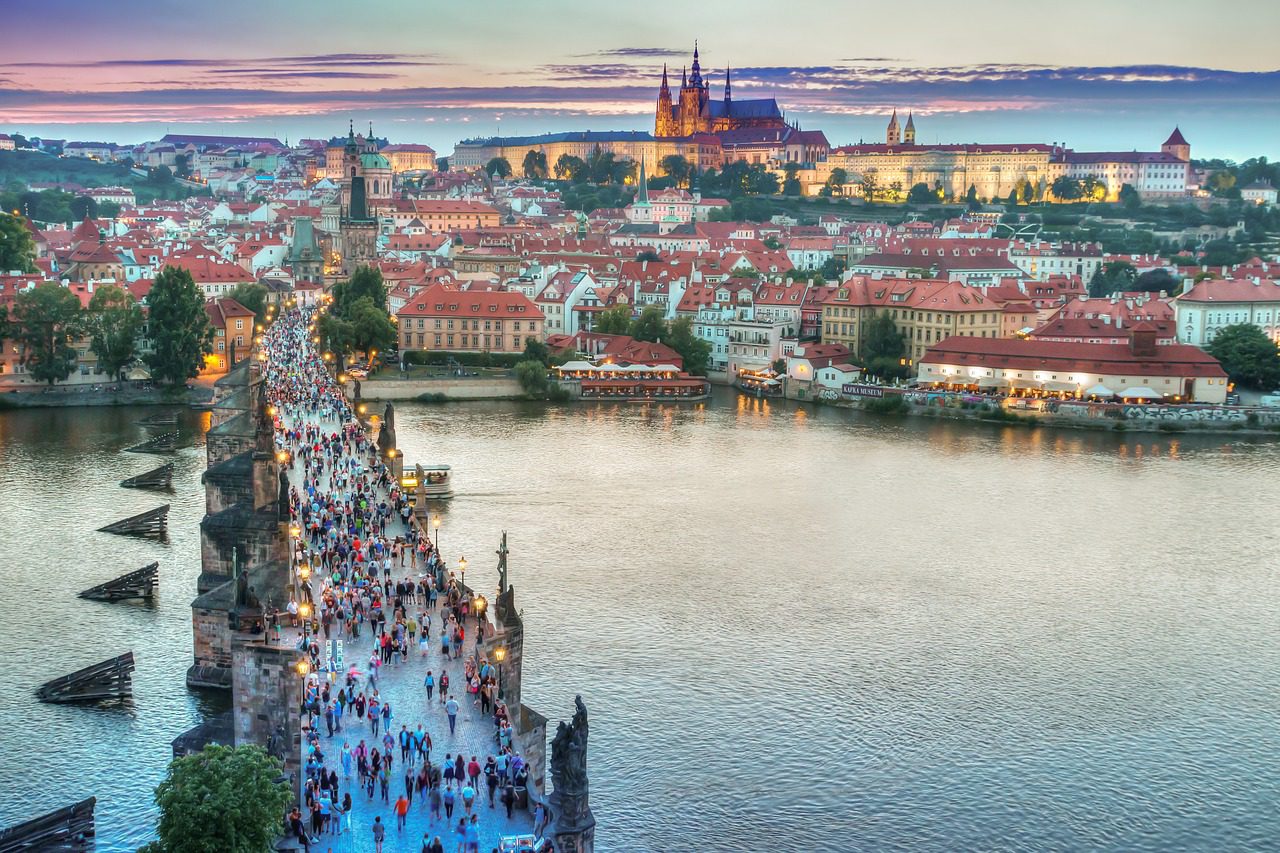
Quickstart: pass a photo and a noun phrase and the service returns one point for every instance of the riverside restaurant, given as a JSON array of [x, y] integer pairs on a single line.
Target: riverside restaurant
[[638, 382]]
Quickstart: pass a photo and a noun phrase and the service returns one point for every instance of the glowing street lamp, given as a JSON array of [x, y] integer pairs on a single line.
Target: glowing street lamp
[[462, 567], [435, 522], [303, 666], [282, 457], [295, 531]]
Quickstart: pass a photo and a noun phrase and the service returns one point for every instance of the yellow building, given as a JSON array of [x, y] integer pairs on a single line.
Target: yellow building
[[702, 150], [924, 311]]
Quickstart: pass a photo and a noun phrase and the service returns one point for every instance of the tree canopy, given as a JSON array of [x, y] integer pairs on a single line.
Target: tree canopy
[[17, 249], [651, 325], [1248, 355], [253, 296], [221, 798], [884, 347], [498, 167], [694, 350], [614, 321], [181, 334], [1114, 277], [44, 321], [676, 168], [535, 164], [114, 322]]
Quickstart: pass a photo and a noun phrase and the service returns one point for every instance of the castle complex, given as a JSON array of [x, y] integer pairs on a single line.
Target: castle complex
[[996, 169]]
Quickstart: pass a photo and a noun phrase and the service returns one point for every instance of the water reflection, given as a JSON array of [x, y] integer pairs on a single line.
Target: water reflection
[[797, 627], [967, 635]]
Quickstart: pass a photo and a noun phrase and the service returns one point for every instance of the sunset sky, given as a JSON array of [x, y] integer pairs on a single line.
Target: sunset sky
[[1095, 74]]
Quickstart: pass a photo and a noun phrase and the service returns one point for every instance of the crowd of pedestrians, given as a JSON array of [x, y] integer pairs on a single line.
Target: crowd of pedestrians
[[370, 579]]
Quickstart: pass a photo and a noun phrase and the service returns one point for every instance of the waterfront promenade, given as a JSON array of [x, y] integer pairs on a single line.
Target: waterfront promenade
[[348, 474]]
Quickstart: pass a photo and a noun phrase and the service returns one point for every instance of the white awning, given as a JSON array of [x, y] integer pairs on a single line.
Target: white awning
[[1099, 391], [1141, 392], [990, 382], [571, 366], [1054, 385]]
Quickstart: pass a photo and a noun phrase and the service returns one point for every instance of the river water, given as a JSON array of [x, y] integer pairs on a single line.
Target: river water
[[795, 628]]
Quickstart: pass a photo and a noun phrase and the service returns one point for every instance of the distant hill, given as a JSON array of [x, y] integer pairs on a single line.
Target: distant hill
[[34, 167], [18, 169]]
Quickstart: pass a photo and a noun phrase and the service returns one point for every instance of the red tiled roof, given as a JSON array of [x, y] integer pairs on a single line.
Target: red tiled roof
[[1233, 290], [1113, 359], [438, 301]]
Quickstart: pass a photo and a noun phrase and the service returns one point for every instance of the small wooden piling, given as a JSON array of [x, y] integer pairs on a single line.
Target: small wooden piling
[[156, 478], [68, 829], [152, 523], [140, 583], [110, 679]]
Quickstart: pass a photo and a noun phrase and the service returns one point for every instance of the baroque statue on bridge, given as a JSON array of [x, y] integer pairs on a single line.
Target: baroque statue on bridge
[[569, 754]]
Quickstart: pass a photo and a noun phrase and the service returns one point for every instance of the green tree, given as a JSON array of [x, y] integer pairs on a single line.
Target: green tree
[[182, 166], [535, 164], [336, 333], [160, 176], [498, 167], [676, 168], [532, 376], [114, 321], [1112, 278], [82, 207], [442, 164], [181, 334], [221, 798], [571, 168], [884, 347], [536, 350], [371, 328], [650, 325], [614, 321], [253, 296], [1248, 355], [921, 194], [1067, 188], [365, 281], [760, 181], [971, 198], [17, 249], [43, 322], [1154, 281], [870, 187], [695, 352], [601, 165], [836, 181], [791, 184], [1129, 198]]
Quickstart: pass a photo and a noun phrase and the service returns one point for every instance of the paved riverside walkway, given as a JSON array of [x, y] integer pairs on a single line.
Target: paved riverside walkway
[[401, 684]]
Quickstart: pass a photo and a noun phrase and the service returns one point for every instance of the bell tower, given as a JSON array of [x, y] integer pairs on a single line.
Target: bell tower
[[893, 135]]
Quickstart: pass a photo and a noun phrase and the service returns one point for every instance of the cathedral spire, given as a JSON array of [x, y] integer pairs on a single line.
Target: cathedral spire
[[642, 196], [684, 80], [728, 95], [695, 73], [664, 78]]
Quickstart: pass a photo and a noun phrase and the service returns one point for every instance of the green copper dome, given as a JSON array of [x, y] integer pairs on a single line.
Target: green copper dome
[[374, 161]]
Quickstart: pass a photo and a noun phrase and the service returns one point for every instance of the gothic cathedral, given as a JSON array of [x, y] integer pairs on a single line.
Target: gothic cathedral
[[695, 112]]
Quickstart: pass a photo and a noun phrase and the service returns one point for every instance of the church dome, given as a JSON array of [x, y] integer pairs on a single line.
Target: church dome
[[374, 161]]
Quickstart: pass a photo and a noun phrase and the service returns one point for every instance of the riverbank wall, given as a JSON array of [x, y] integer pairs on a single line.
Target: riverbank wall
[[440, 390], [62, 397], [1070, 414]]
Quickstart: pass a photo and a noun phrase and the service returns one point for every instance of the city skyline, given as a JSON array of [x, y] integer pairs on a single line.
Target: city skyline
[[1113, 77]]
